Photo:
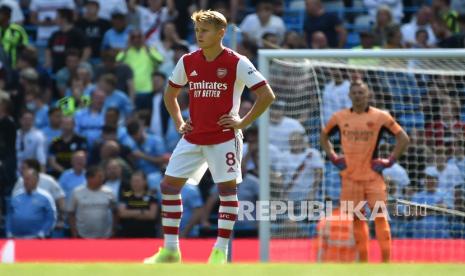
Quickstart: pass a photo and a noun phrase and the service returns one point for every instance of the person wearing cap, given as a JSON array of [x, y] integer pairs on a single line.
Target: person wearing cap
[[367, 41], [117, 37], [13, 37]]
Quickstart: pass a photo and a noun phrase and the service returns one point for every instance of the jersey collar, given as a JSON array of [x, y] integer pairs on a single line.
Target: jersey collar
[[217, 57], [366, 109]]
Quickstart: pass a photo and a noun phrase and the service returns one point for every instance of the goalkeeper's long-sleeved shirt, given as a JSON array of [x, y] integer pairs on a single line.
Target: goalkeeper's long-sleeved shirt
[[31, 215]]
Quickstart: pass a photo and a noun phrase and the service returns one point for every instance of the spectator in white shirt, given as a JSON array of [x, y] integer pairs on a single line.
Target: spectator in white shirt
[[43, 13], [158, 14], [30, 142], [250, 161], [107, 7], [335, 94], [92, 208], [263, 21], [396, 174], [421, 21], [303, 169], [449, 176], [282, 126]]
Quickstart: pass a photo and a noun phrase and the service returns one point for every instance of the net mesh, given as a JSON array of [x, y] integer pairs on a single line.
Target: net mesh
[[426, 97]]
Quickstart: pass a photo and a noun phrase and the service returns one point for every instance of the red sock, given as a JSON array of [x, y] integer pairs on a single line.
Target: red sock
[[171, 212]]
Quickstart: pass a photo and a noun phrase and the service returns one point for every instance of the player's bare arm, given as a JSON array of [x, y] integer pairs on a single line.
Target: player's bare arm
[[402, 141], [171, 101], [326, 144], [264, 98], [337, 160]]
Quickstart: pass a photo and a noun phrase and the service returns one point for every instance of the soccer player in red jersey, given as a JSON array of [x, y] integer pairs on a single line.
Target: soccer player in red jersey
[[361, 129], [212, 138]]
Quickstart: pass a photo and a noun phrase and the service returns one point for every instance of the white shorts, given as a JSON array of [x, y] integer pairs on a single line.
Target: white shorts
[[191, 161]]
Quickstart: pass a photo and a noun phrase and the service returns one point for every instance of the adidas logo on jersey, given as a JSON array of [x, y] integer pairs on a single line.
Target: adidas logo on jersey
[[193, 74], [231, 170]]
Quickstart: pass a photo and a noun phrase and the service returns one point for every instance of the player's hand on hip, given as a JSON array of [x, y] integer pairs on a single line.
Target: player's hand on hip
[[185, 127], [338, 161], [379, 164], [230, 121]]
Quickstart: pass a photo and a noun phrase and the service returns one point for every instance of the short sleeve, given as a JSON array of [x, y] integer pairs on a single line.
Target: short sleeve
[[316, 162], [332, 123], [391, 124], [249, 75], [56, 191], [72, 206], [178, 78]]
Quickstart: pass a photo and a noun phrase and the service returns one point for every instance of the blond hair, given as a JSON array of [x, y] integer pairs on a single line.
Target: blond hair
[[210, 17]]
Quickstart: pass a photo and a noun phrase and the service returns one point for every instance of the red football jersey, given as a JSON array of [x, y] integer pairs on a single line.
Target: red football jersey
[[215, 89]]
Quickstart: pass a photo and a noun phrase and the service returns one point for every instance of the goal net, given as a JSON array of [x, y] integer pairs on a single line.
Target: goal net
[[425, 92]]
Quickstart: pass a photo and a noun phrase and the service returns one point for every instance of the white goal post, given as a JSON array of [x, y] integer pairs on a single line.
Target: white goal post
[[456, 61]]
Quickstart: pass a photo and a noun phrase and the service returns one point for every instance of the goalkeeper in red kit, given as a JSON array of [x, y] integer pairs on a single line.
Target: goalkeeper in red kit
[[360, 128]]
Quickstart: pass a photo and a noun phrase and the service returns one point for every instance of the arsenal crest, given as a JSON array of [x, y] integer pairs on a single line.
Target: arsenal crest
[[221, 72]]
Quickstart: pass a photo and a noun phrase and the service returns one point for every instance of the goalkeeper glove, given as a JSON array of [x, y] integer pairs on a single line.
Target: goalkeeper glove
[[379, 164], [338, 161]]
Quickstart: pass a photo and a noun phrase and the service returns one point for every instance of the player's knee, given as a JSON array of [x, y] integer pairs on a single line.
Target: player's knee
[[168, 188], [227, 190]]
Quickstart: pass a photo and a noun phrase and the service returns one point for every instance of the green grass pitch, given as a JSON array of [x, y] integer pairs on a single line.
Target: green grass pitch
[[231, 269]]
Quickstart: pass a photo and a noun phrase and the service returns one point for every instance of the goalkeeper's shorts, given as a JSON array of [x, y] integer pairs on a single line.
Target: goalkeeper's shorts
[[367, 190]]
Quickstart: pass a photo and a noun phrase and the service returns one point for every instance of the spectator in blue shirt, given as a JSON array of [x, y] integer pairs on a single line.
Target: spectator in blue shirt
[[192, 213], [192, 205], [89, 121], [432, 225], [32, 212], [172, 136], [53, 129], [74, 177], [117, 37], [148, 151], [113, 120], [114, 98]]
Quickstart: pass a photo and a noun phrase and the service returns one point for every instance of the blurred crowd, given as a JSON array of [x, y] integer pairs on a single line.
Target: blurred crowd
[[85, 136]]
